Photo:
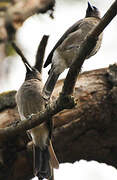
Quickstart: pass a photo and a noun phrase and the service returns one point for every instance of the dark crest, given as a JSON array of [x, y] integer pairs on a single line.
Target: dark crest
[[92, 11]]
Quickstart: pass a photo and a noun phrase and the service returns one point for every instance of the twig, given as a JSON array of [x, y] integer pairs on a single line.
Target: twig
[[20, 53], [40, 53]]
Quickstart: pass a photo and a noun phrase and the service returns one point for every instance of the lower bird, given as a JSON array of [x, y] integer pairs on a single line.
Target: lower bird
[[67, 47], [30, 101]]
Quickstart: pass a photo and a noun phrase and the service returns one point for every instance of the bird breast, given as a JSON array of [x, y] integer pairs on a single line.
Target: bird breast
[[29, 99]]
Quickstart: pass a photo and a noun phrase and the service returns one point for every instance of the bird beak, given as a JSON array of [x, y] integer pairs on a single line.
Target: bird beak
[[90, 7], [28, 68]]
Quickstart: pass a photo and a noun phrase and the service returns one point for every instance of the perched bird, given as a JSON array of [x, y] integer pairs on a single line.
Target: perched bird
[[67, 47], [30, 101]]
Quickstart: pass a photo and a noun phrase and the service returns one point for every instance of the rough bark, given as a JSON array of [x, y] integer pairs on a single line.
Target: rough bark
[[88, 131]]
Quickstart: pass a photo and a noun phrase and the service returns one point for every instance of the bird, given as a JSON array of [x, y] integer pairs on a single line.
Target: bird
[[29, 101], [66, 49]]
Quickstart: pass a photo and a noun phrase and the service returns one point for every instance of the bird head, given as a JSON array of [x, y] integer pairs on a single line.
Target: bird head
[[31, 72], [92, 11]]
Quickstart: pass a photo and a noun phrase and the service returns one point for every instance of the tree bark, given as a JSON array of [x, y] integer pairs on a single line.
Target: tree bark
[[88, 131]]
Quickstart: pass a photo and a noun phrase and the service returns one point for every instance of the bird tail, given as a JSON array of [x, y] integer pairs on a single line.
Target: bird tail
[[53, 158], [42, 165], [49, 85]]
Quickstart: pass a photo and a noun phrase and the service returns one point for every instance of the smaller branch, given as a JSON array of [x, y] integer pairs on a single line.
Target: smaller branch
[[106, 19], [75, 68], [40, 53], [20, 54], [86, 48]]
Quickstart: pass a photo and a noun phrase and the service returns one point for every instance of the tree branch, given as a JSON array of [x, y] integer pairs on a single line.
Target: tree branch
[[64, 100], [85, 123], [88, 131], [40, 53], [19, 52], [36, 119], [86, 48]]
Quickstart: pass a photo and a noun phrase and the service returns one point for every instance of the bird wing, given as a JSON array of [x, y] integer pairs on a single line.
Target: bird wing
[[70, 30]]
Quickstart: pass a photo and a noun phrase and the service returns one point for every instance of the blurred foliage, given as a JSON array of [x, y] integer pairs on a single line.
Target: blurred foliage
[[4, 4], [9, 49], [5, 1]]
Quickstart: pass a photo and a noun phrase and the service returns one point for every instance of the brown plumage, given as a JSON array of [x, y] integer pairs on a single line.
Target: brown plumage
[[66, 49], [30, 101]]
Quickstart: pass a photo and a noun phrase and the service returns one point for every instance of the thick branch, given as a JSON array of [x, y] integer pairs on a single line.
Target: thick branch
[[86, 48], [89, 129]]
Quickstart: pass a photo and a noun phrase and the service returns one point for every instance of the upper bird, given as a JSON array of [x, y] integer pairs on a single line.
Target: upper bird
[[66, 49], [30, 101]]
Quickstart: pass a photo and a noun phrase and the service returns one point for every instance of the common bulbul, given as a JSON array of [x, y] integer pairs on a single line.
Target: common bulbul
[[30, 101], [67, 47]]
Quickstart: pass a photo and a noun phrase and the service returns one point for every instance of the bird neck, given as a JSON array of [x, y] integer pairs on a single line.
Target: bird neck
[[93, 14], [31, 76]]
